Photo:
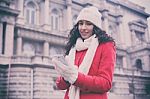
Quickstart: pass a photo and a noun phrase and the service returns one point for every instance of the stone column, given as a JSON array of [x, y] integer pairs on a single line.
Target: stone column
[[146, 63], [46, 49], [46, 19], [20, 18], [1, 38], [125, 62], [105, 25], [120, 31], [69, 14], [61, 23], [19, 46], [38, 17], [147, 36], [46, 52], [9, 41], [134, 39]]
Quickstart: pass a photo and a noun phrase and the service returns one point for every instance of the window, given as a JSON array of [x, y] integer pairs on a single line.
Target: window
[[38, 48], [2, 38], [30, 13], [113, 31], [31, 48], [55, 19], [74, 19], [113, 28], [137, 29], [140, 37], [119, 61], [28, 49], [138, 64]]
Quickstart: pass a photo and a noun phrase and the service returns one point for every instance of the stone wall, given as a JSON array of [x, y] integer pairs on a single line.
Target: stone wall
[[28, 82]]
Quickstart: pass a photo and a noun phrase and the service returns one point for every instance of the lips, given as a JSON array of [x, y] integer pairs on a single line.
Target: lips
[[84, 34]]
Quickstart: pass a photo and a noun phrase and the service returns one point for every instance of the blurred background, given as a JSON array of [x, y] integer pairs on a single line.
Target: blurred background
[[33, 30]]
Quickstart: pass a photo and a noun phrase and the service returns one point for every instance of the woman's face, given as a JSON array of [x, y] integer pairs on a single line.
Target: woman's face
[[85, 29]]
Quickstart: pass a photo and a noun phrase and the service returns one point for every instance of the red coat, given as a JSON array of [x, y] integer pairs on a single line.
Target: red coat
[[98, 82]]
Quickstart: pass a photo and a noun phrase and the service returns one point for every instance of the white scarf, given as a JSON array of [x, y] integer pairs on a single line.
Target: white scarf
[[90, 44]]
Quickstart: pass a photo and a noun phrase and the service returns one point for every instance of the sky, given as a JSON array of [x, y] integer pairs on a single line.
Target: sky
[[146, 4]]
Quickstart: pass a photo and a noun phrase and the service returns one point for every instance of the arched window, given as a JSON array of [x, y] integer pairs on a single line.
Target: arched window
[[55, 19], [138, 64], [30, 13]]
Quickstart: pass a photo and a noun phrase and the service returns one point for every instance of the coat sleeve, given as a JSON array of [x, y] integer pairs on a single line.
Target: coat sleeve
[[62, 84], [102, 81]]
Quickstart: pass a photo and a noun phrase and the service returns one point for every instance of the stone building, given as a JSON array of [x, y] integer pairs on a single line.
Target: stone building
[[33, 30]]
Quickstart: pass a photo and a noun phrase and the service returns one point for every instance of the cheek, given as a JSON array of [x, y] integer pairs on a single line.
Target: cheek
[[91, 31], [79, 28]]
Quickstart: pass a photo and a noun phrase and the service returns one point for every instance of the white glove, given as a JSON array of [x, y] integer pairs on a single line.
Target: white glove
[[69, 72]]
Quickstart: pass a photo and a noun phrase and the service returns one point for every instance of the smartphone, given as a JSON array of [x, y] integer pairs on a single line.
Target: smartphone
[[60, 57]]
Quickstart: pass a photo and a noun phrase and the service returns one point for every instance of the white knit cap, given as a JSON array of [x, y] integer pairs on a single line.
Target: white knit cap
[[91, 14]]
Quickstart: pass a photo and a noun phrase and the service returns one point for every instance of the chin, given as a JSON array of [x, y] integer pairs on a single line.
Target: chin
[[85, 37]]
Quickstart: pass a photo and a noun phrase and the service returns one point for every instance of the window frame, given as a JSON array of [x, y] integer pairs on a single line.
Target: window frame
[[55, 20], [30, 13]]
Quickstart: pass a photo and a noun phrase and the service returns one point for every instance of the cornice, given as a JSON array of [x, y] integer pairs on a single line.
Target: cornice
[[131, 6], [50, 37], [6, 10]]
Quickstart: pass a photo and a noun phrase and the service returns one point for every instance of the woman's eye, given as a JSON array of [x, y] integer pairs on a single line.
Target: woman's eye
[[86, 23], [89, 23], [80, 23]]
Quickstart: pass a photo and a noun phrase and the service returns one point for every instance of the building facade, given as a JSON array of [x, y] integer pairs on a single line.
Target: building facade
[[31, 31]]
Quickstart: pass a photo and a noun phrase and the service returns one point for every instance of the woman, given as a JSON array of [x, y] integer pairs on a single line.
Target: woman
[[90, 57]]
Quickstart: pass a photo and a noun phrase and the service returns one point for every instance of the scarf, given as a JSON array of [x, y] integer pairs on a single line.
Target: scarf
[[91, 45]]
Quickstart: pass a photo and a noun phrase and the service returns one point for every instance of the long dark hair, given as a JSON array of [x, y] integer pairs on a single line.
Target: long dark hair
[[74, 34]]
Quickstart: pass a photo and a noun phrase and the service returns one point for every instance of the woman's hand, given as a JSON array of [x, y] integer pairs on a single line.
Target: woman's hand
[[69, 72]]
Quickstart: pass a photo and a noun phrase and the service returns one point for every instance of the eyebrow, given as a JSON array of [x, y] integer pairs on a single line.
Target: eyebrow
[[85, 21]]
